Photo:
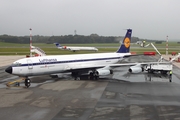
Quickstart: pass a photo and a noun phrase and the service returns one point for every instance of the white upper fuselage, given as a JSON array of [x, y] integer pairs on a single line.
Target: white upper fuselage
[[77, 48], [63, 63]]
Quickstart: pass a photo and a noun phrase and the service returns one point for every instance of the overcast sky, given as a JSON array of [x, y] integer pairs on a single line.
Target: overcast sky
[[150, 19]]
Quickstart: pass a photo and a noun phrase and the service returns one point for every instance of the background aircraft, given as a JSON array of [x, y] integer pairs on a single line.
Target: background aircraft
[[142, 43], [72, 48]]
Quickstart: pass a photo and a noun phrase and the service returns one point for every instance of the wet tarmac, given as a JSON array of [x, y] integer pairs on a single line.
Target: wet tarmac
[[121, 96]]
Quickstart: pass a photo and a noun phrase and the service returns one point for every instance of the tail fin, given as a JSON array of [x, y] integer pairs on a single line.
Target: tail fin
[[125, 46], [57, 44]]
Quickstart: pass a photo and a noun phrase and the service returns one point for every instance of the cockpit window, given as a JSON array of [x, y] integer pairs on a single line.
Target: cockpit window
[[16, 64]]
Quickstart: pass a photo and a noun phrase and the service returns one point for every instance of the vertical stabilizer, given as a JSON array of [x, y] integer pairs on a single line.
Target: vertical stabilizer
[[57, 44], [125, 45]]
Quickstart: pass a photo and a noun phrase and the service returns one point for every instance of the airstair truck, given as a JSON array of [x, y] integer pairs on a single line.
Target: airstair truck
[[164, 68]]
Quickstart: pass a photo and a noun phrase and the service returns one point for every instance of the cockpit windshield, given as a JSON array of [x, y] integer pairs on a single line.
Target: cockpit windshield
[[16, 64]]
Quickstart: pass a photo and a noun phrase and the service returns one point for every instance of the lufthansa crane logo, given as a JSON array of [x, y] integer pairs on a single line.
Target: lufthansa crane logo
[[127, 42]]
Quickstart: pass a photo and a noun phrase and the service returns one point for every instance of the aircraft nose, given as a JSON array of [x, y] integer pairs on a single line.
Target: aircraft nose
[[9, 69]]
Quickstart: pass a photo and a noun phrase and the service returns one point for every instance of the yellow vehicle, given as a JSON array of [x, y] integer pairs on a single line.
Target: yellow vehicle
[[15, 83]]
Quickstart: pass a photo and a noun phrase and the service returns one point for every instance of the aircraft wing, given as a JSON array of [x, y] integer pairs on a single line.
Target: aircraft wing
[[110, 66], [137, 63], [131, 55]]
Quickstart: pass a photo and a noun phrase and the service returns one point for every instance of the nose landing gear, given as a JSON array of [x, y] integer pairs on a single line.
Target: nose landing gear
[[27, 82], [16, 83]]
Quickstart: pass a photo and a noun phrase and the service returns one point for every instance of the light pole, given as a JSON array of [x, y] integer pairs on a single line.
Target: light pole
[[167, 45], [30, 42]]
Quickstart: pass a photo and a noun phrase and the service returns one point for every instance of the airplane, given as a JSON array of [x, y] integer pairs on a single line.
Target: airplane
[[94, 64], [142, 43], [71, 48]]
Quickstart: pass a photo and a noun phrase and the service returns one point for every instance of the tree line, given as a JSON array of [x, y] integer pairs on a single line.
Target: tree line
[[71, 39]]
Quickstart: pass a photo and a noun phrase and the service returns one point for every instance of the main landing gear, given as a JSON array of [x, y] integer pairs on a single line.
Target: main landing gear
[[16, 83], [93, 75]]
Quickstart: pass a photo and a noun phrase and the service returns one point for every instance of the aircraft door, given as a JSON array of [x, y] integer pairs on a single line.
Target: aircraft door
[[30, 64]]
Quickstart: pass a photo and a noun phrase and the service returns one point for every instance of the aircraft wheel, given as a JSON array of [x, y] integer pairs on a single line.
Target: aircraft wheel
[[91, 76], [150, 71], [77, 78], [27, 82], [96, 75]]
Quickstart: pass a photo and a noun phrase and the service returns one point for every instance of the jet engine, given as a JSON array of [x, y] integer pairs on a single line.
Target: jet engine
[[102, 72], [64, 47], [136, 69]]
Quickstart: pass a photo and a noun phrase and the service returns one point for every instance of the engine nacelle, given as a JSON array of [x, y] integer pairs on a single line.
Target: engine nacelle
[[102, 72], [64, 47], [136, 69]]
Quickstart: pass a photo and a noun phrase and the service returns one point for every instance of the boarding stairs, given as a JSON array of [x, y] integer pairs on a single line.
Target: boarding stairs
[[38, 51], [161, 58], [174, 58]]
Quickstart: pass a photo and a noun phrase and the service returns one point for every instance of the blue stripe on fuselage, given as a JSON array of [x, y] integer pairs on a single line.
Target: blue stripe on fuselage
[[68, 61]]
